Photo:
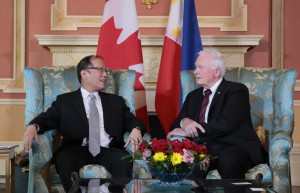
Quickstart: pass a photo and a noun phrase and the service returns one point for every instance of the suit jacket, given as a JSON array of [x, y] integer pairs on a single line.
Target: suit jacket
[[67, 114], [229, 119]]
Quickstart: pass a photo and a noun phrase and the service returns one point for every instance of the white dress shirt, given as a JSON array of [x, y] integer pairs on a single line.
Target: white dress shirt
[[104, 137], [213, 90]]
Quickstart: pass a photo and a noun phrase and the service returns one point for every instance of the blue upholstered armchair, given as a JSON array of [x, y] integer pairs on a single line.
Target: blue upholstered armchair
[[42, 86], [271, 99]]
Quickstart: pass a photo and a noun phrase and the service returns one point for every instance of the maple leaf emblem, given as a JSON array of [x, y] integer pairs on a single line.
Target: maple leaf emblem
[[120, 56]]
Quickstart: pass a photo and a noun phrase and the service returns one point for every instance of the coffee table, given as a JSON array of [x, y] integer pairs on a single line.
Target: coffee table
[[155, 186]]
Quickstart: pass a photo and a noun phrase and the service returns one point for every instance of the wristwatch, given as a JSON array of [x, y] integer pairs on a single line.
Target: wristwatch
[[36, 127]]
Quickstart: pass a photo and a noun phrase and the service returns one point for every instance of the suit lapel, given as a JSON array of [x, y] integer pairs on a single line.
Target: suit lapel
[[218, 93], [79, 106]]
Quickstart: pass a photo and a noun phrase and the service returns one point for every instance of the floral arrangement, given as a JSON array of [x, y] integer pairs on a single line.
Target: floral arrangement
[[173, 156]]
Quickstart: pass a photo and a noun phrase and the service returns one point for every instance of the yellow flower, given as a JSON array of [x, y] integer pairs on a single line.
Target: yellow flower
[[202, 155], [159, 156], [176, 158]]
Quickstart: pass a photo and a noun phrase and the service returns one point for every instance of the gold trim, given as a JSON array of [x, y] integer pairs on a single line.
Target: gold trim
[[16, 84], [237, 21], [277, 33], [297, 86], [149, 3]]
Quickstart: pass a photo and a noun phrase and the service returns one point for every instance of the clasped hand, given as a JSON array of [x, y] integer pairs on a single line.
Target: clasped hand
[[189, 129]]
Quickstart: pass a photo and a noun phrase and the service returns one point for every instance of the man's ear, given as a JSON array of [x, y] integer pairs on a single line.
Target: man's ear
[[83, 74], [217, 72]]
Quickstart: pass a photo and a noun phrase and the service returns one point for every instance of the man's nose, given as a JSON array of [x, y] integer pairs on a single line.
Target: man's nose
[[195, 71]]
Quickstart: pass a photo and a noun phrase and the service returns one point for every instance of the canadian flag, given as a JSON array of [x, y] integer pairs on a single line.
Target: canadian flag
[[120, 46], [181, 46]]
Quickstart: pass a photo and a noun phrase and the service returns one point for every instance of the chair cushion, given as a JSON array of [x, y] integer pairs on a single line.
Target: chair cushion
[[94, 171], [141, 169], [264, 170], [214, 174], [251, 174], [54, 177]]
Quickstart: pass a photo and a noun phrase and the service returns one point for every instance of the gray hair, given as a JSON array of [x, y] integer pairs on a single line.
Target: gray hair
[[217, 60]]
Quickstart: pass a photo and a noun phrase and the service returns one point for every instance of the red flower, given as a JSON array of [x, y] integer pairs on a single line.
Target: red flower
[[142, 146], [197, 148], [189, 150], [204, 150], [187, 144], [159, 145], [177, 146]]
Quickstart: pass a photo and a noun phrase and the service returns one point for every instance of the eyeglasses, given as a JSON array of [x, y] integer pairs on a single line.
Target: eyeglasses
[[102, 69]]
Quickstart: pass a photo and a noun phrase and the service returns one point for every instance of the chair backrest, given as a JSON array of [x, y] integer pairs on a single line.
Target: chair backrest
[[42, 85], [271, 95]]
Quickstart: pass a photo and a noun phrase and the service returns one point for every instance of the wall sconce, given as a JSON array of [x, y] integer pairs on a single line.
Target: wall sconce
[[149, 3]]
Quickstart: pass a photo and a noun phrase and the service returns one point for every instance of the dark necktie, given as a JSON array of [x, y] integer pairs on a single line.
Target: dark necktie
[[204, 105], [94, 127]]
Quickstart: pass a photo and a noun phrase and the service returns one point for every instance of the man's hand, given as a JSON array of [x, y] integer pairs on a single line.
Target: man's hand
[[135, 138], [177, 132], [191, 127], [28, 137]]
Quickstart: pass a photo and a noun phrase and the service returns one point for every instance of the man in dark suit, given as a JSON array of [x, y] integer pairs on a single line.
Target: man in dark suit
[[221, 120], [71, 113]]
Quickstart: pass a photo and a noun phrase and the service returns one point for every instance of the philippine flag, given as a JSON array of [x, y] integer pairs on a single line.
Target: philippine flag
[[181, 46]]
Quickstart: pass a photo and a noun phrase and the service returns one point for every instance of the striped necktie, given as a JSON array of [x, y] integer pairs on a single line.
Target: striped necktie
[[204, 105]]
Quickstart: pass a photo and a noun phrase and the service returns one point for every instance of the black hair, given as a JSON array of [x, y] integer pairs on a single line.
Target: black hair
[[84, 63]]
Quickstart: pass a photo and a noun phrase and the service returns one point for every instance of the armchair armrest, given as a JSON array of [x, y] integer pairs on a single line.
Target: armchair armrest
[[140, 168], [146, 137], [279, 149], [40, 160]]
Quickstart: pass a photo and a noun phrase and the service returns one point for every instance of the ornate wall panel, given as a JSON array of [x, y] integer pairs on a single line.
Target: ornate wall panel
[[277, 33], [237, 21], [15, 84]]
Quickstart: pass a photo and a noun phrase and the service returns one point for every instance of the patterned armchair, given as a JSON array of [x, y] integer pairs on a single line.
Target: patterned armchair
[[42, 86], [271, 99]]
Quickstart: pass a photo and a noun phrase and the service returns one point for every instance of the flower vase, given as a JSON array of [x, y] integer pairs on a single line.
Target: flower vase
[[169, 176]]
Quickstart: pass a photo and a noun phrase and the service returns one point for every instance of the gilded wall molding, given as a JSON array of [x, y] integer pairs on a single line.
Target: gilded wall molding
[[277, 33], [13, 102], [237, 21], [295, 164], [68, 49], [147, 40], [297, 87], [16, 83]]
